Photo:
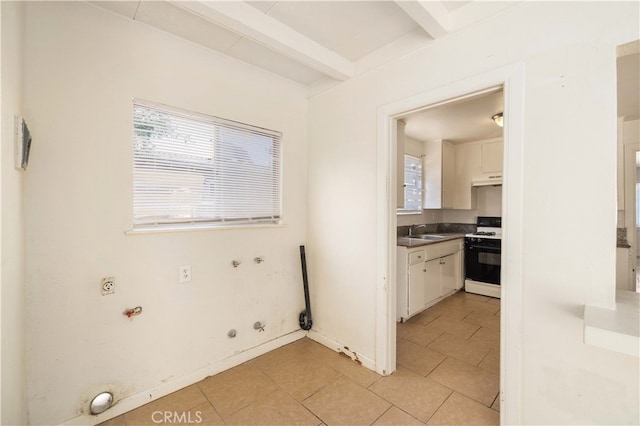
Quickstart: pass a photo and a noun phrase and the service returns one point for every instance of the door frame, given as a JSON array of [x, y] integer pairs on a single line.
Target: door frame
[[511, 78], [630, 206]]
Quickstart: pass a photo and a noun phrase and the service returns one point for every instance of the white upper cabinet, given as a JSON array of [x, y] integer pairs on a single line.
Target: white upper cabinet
[[491, 157], [474, 162], [448, 174], [439, 175]]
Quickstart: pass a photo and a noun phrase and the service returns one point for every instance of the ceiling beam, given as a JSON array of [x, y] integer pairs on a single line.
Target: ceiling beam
[[250, 23], [432, 16]]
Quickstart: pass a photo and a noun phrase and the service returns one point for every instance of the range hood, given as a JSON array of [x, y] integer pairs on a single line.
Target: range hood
[[487, 181]]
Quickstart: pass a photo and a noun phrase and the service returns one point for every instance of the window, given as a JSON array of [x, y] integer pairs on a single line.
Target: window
[[412, 183], [638, 205], [191, 168]]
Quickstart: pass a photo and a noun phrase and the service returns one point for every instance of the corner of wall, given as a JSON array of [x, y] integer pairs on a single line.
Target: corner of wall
[[12, 309]]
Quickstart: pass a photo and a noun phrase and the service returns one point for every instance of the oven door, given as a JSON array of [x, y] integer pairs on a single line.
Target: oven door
[[482, 260]]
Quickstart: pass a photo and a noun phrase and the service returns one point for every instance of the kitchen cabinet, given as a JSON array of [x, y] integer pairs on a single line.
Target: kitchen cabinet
[[451, 273], [491, 161], [625, 270], [439, 175], [426, 275], [433, 281], [478, 161], [417, 289]]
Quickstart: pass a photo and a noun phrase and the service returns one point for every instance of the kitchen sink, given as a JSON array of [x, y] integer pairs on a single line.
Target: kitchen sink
[[429, 236]]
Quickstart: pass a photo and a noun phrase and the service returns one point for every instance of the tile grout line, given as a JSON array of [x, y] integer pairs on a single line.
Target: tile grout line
[[440, 406], [393, 405], [385, 411], [209, 401], [494, 401], [277, 386]]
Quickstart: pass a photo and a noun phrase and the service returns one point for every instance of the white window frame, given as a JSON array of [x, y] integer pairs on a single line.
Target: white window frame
[[192, 170], [412, 186]]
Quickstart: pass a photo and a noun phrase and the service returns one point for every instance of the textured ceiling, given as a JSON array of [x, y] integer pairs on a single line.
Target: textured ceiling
[[457, 121], [308, 41]]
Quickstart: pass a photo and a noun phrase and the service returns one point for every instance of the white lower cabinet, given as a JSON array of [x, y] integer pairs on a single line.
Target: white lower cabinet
[[426, 275], [451, 273], [417, 289], [432, 281]]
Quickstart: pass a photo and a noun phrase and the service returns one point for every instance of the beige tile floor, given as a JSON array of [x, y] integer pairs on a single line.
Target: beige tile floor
[[448, 364]]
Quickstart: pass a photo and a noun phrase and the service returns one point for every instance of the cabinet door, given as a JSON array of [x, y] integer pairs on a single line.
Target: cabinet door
[[491, 157], [449, 276], [448, 174], [432, 175], [433, 281], [458, 260], [439, 174], [416, 287]]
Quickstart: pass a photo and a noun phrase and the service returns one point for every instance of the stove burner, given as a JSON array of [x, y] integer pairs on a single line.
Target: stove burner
[[484, 233]]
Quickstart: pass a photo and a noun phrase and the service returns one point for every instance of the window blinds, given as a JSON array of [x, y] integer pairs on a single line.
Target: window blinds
[[412, 183], [193, 168]]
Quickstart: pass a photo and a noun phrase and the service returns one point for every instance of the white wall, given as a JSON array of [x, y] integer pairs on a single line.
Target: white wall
[[82, 68], [490, 201], [13, 392], [568, 51], [413, 146]]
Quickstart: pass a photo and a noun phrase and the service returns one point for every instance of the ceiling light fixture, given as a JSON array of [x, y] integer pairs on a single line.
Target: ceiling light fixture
[[498, 119]]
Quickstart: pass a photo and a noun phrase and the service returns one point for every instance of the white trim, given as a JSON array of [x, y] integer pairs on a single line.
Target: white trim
[[337, 347], [630, 179], [199, 227], [134, 401], [386, 224], [432, 16], [512, 251], [249, 22], [511, 77]]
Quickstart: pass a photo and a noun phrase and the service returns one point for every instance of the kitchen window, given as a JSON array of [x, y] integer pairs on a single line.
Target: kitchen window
[[192, 169], [412, 183]]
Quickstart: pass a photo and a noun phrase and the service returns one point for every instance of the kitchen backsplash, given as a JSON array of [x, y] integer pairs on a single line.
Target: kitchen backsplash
[[430, 228]]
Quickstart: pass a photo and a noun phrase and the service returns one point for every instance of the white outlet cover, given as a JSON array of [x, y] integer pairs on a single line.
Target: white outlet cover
[[185, 273], [108, 285]]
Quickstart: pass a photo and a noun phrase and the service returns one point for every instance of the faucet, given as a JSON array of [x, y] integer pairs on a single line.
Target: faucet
[[413, 228]]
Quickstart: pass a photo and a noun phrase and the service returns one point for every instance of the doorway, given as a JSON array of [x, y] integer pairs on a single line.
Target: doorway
[[628, 109], [511, 78]]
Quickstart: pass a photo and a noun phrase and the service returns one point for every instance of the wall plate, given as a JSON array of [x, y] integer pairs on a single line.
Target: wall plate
[[108, 286]]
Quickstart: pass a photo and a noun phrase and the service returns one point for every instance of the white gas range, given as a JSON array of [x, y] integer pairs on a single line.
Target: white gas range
[[482, 257]]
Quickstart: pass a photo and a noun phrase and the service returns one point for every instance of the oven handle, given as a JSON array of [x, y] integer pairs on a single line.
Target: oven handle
[[484, 248]]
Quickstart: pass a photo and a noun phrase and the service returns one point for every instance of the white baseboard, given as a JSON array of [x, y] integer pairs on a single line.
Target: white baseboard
[[139, 399], [332, 344]]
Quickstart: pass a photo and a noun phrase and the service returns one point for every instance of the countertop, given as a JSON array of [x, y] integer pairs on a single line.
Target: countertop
[[417, 242]]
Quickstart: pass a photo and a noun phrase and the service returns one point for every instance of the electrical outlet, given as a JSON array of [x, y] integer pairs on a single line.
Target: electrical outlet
[[108, 285], [185, 273]]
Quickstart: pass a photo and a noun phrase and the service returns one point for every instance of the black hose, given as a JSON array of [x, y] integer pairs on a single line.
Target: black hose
[[305, 316]]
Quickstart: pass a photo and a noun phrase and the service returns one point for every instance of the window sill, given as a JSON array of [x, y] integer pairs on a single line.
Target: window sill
[[199, 228], [615, 329], [408, 212]]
